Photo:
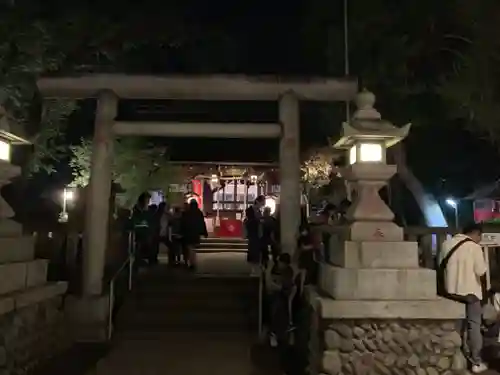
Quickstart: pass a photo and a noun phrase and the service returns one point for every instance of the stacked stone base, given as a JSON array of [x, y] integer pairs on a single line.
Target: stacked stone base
[[33, 325], [387, 347], [31, 335]]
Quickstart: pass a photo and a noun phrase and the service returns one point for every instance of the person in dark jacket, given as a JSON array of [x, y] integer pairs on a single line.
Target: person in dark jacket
[[268, 240], [253, 226], [192, 228], [175, 249], [141, 223]]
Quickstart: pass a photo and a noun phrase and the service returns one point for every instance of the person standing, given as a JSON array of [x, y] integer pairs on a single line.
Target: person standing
[[141, 223], [253, 226], [162, 222], [192, 228], [175, 234], [462, 265]]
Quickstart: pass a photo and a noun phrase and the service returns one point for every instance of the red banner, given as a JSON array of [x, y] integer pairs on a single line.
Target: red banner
[[229, 228]]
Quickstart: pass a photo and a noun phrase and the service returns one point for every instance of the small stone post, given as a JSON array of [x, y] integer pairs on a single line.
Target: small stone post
[[378, 312]]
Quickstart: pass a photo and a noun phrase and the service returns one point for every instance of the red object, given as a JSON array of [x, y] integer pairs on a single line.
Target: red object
[[197, 187], [229, 228], [486, 210]]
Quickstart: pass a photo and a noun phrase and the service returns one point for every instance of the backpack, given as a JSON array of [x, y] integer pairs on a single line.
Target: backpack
[[440, 275]]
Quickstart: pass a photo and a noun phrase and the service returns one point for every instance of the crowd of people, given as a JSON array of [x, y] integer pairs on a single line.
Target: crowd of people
[[285, 277], [178, 228]]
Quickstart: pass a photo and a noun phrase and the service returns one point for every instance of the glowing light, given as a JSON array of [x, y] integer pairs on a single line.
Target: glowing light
[[68, 195], [4, 150], [371, 152], [253, 178], [352, 155], [215, 179], [271, 204], [451, 202]]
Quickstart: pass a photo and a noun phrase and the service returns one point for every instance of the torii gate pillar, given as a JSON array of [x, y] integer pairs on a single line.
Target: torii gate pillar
[[289, 115]]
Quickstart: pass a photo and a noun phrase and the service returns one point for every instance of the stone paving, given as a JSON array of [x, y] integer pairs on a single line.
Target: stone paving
[[183, 354]]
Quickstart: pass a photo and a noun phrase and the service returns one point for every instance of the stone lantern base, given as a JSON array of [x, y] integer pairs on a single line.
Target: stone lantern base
[[377, 312], [415, 343]]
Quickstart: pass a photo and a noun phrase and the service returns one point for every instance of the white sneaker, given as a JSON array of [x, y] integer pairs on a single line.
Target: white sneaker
[[477, 369]]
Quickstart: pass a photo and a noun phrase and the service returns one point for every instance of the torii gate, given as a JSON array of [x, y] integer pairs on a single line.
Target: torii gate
[[109, 88]]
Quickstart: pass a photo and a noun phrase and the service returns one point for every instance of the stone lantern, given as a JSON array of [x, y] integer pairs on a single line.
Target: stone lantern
[[376, 302], [366, 139], [7, 172]]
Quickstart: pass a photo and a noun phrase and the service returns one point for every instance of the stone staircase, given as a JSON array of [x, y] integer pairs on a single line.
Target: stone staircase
[[222, 245], [179, 322], [177, 301]]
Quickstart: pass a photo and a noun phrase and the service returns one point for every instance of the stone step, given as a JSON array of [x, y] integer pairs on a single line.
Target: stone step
[[156, 333], [202, 302], [169, 316], [206, 284], [17, 249], [186, 325], [220, 250], [224, 240], [223, 245], [21, 275]]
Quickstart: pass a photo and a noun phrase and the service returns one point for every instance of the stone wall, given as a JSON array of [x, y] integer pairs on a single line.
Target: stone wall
[[385, 347], [32, 334]]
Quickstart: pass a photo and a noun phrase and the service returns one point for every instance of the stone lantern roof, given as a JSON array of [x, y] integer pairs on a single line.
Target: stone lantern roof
[[10, 130], [367, 123]]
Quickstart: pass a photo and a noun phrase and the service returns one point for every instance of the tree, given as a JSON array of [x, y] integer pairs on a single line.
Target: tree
[[81, 37], [428, 65], [138, 166]]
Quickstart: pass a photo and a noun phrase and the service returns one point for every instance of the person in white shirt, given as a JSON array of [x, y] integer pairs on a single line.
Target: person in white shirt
[[464, 266]]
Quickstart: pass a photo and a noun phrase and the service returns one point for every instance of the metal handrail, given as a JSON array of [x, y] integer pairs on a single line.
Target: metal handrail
[[261, 293], [128, 263]]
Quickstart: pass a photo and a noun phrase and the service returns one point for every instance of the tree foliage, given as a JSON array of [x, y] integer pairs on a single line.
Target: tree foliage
[[137, 167], [39, 39]]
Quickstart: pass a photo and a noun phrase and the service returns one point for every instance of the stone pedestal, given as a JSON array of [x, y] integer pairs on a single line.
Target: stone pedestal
[[378, 312], [33, 326]]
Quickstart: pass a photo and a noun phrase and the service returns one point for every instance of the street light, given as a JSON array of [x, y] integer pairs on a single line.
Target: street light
[[67, 196], [453, 204]]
